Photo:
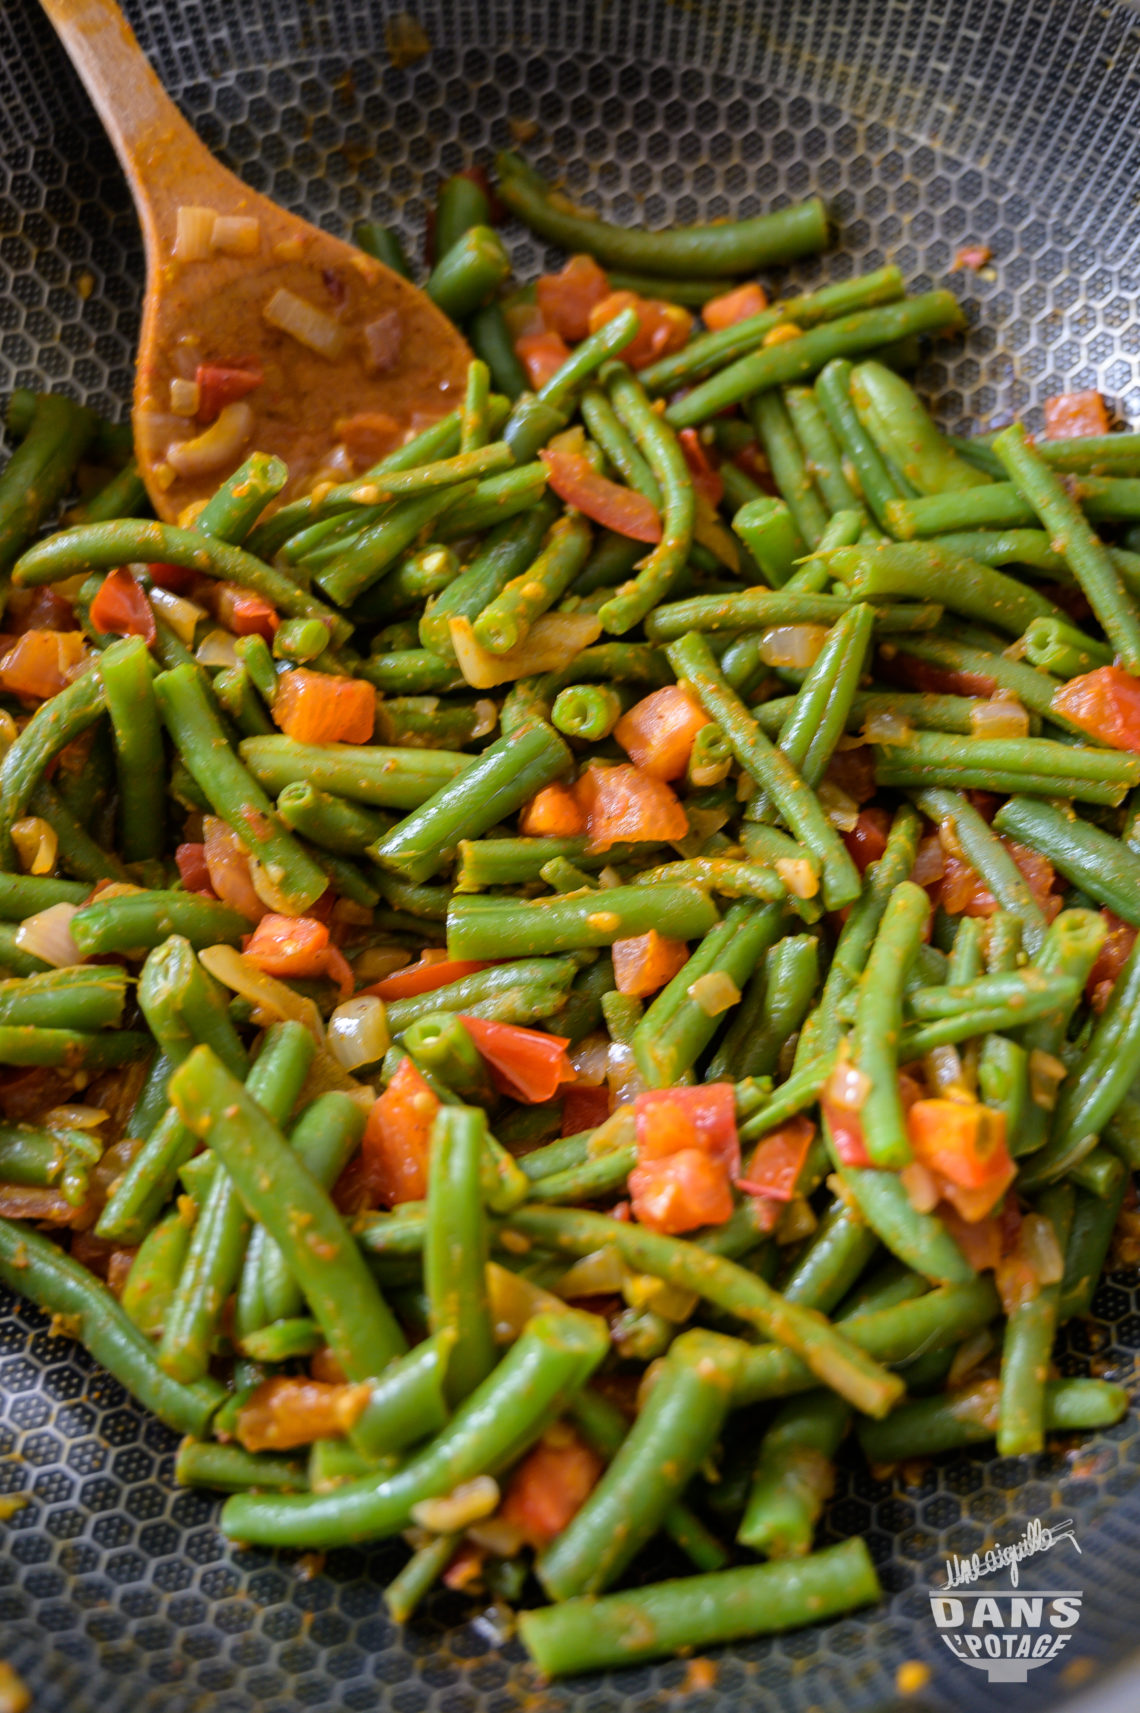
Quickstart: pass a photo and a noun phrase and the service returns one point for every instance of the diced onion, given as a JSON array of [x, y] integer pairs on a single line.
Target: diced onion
[[76, 1118], [358, 1032], [929, 862], [623, 1075], [306, 323], [181, 615], [217, 648], [595, 1275], [382, 340], [498, 1536], [47, 935], [486, 717], [9, 731], [945, 1073], [514, 1300], [921, 1187], [703, 823], [887, 727], [609, 877], [236, 234], [798, 875], [714, 992], [590, 1059], [469, 1502], [1046, 1074], [154, 432], [184, 397], [268, 890], [842, 810], [792, 645], [228, 966], [216, 446], [553, 641], [37, 844], [969, 1353], [1037, 1241], [1000, 717], [194, 237], [847, 1086]]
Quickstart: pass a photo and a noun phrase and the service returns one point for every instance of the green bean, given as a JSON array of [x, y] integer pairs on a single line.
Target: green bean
[[382, 244], [661, 450], [796, 359], [510, 549], [777, 436], [491, 340], [495, 499], [329, 821], [39, 472], [1090, 1236], [1069, 951], [505, 621], [231, 1469], [72, 1050], [384, 778], [1061, 648], [1030, 1328], [903, 431], [694, 1613], [951, 1421], [1102, 866], [126, 674], [794, 1475], [123, 496], [887, 570], [232, 510], [1103, 454], [531, 1387], [827, 1353], [37, 1270], [31, 1156], [507, 927], [1036, 766], [455, 1249], [610, 433], [408, 1402], [693, 662], [424, 572], [1088, 558], [692, 293], [768, 530], [1033, 688], [469, 273], [824, 459], [23, 895], [54, 724], [422, 1571], [758, 609], [1103, 499], [1102, 1077], [589, 711], [740, 247], [281, 1340], [673, 1434], [878, 1022], [73, 998], [346, 571], [492, 992], [154, 1274], [872, 475], [831, 1261], [989, 859], [135, 921], [774, 1005]]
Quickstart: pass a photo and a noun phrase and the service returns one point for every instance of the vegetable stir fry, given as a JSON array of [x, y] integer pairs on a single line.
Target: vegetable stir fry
[[589, 959]]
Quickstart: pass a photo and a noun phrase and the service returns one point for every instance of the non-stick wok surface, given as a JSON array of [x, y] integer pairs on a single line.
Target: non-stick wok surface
[[1007, 122]]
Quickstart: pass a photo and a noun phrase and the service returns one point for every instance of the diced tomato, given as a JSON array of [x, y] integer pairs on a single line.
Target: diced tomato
[[288, 1411], [972, 256], [644, 964], [852, 771], [980, 1240], [553, 813], [567, 298], [317, 707], [707, 480], [681, 1192], [176, 578], [775, 1165], [38, 609], [1074, 416], [465, 1571], [867, 839], [550, 1485], [987, 803], [227, 863], [669, 1120], [574, 479], [220, 384], [665, 327], [397, 1138], [623, 803], [1110, 960], [733, 306], [42, 662], [245, 614], [368, 436], [193, 870], [584, 1108], [658, 731], [963, 1142], [963, 892], [932, 680], [753, 461], [298, 946], [541, 355], [526, 1064], [929, 863], [121, 607], [424, 977], [323, 1365], [1104, 703], [847, 1133]]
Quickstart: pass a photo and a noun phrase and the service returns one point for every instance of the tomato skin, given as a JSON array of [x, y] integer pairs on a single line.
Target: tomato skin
[[565, 299], [121, 607], [192, 869], [846, 1132], [227, 863], [220, 384], [317, 707], [707, 480], [867, 839], [584, 1108], [541, 355], [645, 963], [550, 1485], [553, 813], [1110, 960], [38, 609], [424, 977], [397, 1139], [623, 803], [574, 479], [1074, 416], [672, 1120], [963, 892], [777, 1161], [246, 614], [733, 306], [681, 1192], [658, 732], [664, 328], [176, 578], [298, 946], [526, 1064], [1106, 704]]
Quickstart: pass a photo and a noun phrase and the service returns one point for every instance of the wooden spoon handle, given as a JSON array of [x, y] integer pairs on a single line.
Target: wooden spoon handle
[[153, 141]]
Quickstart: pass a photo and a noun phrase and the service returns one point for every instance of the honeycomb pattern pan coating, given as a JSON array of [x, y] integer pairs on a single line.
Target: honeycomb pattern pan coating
[[1007, 122]]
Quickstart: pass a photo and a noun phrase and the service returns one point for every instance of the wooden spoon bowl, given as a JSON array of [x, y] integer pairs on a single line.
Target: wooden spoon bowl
[[375, 357]]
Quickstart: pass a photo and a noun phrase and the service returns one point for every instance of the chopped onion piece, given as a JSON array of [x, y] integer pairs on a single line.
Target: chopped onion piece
[[921, 1187], [798, 875], [268, 890], [382, 340], [792, 645], [842, 810], [590, 1059], [946, 1074], [498, 1535], [47, 935], [847, 1086], [1000, 717], [595, 1275], [468, 1503], [184, 397], [969, 1353], [514, 1300], [1046, 1074], [37, 844], [9, 731], [486, 717], [181, 615], [216, 446], [929, 862], [887, 727], [714, 992], [236, 234], [76, 1118], [217, 649], [228, 966], [358, 1032], [553, 641], [306, 323], [1038, 1243], [609, 877], [194, 236]]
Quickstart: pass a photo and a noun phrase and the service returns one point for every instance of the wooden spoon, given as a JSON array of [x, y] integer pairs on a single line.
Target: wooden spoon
[[392, 360]]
